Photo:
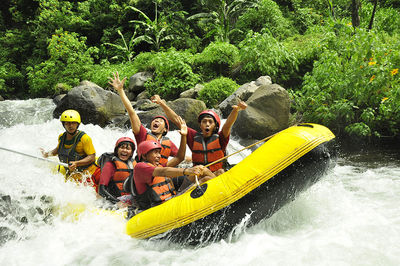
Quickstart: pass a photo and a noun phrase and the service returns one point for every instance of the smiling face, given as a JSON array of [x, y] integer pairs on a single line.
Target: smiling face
[[71, 127], [207, 126], [157, 126], [125, 152], [153, 156]]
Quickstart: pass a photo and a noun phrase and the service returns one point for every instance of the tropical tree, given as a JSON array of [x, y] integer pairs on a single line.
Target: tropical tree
[[220, 17], [155, 31]]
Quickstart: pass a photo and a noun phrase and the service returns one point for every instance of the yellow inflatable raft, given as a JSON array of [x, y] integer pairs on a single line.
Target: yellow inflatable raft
[[254, 189]]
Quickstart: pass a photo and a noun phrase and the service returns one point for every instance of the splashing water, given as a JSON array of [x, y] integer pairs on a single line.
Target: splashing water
[[350, 217]]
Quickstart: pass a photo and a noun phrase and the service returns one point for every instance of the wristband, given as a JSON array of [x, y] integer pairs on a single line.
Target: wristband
[[184, 169]]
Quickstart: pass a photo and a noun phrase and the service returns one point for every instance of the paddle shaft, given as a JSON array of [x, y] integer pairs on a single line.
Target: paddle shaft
[[35, 157], [236, 152]]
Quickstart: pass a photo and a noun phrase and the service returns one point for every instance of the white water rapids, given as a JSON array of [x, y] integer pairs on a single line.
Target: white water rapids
[[350, 217]]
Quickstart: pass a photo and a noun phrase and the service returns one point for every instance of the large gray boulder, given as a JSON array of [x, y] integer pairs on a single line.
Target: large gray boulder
[[267, 112], [136, 84], [242, 94], [94, 104], [187, 108]]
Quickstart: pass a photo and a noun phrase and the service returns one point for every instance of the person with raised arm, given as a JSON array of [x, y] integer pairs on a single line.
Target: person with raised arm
[[158, 128], [208, 145]]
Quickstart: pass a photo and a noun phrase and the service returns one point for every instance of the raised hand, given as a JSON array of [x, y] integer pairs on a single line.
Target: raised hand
[[183, 131], [156, 99], [116, 83], [240, 106]]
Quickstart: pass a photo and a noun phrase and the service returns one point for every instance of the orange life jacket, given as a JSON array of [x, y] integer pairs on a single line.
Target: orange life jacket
[[166, 147], [123, 172], [207, 151], [161, 189]]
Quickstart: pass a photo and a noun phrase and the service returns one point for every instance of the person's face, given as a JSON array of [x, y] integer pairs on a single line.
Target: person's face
[[125, 152], [207, 126], [71, 127], [157, 126], [153, 156]]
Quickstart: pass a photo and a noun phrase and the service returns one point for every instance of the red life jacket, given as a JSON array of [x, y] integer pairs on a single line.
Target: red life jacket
[[207, 151], [166, 147], [161, 189]]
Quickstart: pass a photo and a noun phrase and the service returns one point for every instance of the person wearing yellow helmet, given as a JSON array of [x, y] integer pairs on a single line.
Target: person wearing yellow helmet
[[74, 147]]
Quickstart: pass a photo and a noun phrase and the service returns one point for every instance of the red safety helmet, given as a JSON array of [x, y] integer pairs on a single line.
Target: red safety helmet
[[165, 120], [146, 146], [213, 114], [120, 142]]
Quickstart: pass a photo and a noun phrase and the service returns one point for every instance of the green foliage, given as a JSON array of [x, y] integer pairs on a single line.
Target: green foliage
[[266, 14], [261, 54], [215, 91], [173, 74], [354, 85], [216, 60], [155, 32], [219, 17], [386, 19], [100, 73], [11, 79], [69, 62]]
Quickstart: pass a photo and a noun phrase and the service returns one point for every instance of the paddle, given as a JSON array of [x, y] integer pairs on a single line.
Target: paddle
[[236, 152], [35, 157]]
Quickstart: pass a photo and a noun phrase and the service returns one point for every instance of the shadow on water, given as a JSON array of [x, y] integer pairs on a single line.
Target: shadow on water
[[378, 153]]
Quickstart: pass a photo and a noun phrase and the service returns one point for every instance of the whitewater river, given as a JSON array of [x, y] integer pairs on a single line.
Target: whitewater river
[[350, 217]]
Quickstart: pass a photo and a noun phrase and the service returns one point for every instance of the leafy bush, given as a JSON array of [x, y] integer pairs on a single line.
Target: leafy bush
[[11, 79], [173, 74], [99, 74], [69, 62], [355, 85], [216, 60], [215, 91], [261, 54], [265, 15]]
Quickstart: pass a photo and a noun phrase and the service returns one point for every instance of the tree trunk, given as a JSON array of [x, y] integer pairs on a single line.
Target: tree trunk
[[355, 17], [373, 15]]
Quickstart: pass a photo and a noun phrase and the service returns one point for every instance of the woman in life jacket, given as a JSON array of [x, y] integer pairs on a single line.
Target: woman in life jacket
[[208, 145], [153, 181], [116, 172], [159, 125], [74, 147]]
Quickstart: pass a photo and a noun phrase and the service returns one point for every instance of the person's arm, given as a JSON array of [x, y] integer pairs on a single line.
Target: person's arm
[[171, 115], [180, 156], [85, 161], [175, 172], [106, 174], [226, 129], [118, 85]]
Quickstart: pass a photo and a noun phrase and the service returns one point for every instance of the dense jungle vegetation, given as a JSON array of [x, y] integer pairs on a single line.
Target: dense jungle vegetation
[[339, 60]]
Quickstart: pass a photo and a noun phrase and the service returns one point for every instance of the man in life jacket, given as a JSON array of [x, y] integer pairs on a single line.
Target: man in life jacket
[[208, 145], [74, 147], [153, 181], [116, 172], [158, 128]]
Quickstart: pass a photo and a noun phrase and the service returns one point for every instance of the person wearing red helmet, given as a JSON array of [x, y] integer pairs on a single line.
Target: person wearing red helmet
[[208, 145], [116, 171], [153, 181], [158, 128]]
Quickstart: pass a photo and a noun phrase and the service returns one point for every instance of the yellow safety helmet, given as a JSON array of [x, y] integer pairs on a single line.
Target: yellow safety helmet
[[70, 116]]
